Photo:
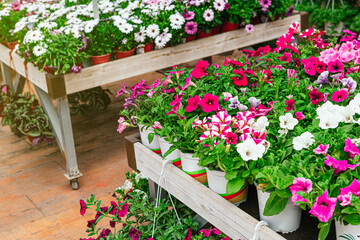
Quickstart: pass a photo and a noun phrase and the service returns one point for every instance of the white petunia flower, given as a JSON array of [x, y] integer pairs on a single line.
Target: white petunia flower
[[303, 141], [140, 176], [38, 50], [283, 132], [346, 114], [328, 121], [127, 186], [152, 31], [261, 124], [355, 103], [249, 150], [287, 121]]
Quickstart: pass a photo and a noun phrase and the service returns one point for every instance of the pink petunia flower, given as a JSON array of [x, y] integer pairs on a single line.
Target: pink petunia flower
[[351, 148], [157, 125], [231, 138], [339, 95], [200, 69], [310, 69], [323, 207], [209, 103], [193, 104], [82, 207], [339, 165], [240, 80], [227, 96], [347, 192], [191, 28], [299, 116], [300, 185], [321, 149], [122, 125], [335, 66], [315, 96], [289, 105], [221, 118], [134, 234], [120, 92]]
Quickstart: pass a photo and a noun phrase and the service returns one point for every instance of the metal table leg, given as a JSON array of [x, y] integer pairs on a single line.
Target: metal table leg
[[62, 128]]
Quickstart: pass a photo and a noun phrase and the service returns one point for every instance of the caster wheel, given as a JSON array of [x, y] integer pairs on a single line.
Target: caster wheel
[[74, 184]]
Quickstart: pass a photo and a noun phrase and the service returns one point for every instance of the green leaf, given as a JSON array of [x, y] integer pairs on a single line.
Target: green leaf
[[274, 205], [235, 185], [353, 219], [151, 137], [324, 231]]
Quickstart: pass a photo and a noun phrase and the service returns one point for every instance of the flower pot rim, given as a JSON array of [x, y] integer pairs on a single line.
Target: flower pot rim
[[101, 55], [126, 51]]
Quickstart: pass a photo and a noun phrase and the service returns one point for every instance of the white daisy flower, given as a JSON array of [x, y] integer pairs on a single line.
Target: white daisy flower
[[219, 5], [152, 31], [208, 15], [126, 28], [140, 36], [38, 50], [176, 21]]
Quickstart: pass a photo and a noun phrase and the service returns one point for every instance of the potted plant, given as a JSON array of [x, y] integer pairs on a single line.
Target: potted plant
[[101, 42]]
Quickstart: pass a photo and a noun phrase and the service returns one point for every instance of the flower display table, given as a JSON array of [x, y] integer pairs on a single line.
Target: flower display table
[[56, 87], [225, 216]]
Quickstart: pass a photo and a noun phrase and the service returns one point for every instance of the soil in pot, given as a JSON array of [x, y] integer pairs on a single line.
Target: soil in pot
[[96, 60]]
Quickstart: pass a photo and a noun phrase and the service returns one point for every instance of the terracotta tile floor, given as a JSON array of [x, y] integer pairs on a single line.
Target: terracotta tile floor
[[36, 200]]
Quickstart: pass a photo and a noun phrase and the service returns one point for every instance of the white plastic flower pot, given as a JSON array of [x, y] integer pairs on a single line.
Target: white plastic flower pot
[[144, 135], [217, 183], [190, 166], [348, 232], [285, 222], [174, 156]]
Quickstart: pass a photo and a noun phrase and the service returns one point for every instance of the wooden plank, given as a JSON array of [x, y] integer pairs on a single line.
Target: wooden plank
[[139, 64], [222, 214], [130, 152], [35, 75]]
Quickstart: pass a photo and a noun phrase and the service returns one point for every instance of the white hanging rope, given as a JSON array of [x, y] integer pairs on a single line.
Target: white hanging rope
[[333, 4], [257, 228], [158, 195]]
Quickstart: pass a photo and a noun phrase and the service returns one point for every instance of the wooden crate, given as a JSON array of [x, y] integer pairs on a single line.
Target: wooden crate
[[228, 218], [121, 69]]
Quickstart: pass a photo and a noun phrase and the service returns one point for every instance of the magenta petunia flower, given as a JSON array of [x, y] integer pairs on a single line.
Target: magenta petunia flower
[[134, 234], [299, 116], [300, 185], [310, 69], [265, 3], [286, 57], [323, 207], [188, 83], [292, 73], [200, 69], [289, 105], [122, 91], [193, 104], [316, 96], [114, 208], [231, 138], [208, 232], [339, 95], [122, 125], [321, 149], [191, 28], [240, 80], [124, 210], [249, 28], [82, 207], [209, 103], [320, 66], [351, 148], [335, 66], [347, 192], [339, 165]]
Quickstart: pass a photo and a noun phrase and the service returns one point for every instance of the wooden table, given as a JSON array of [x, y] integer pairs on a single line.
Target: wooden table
[[56, 87]]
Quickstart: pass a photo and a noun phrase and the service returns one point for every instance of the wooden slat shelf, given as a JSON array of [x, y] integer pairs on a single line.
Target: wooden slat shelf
[[228, 218], [139, 64]]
